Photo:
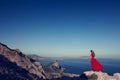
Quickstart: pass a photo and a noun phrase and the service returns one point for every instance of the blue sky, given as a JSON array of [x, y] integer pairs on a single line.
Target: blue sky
[[61, 27]]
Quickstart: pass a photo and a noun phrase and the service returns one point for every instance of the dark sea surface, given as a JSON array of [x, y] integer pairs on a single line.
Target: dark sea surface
[[78, 66]]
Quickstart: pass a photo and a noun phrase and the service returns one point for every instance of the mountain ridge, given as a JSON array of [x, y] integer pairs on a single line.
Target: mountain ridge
[[22, 61]]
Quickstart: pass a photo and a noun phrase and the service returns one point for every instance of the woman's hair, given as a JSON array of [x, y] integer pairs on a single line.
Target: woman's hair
[[92, 53]]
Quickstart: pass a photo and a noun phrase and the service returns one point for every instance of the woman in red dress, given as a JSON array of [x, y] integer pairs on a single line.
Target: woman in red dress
[[96, 66]]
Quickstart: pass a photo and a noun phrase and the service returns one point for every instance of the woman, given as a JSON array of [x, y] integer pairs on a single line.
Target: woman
[[96, 66]]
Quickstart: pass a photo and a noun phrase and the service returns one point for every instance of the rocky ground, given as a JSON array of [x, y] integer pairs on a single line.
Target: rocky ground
[[101, 76]]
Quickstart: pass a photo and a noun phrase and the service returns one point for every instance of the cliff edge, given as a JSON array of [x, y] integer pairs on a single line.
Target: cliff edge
[[101, 76], [21, 60]]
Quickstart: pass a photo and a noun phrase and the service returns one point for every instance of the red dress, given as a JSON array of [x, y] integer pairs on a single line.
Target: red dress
[[96, 66]]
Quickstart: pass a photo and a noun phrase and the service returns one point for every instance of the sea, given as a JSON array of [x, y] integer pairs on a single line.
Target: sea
[[78, 66]]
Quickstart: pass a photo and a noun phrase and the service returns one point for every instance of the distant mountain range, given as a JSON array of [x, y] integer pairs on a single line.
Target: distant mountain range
[[38, 58]]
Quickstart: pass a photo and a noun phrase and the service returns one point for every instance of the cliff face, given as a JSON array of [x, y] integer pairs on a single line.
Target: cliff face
[[53, 70], [10, 71], [22, 61]]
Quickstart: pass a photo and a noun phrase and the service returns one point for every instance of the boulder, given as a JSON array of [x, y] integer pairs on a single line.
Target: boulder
[[98, 75]]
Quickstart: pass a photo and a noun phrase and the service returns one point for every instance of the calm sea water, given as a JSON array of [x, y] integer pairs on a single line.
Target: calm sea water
[[78, 66]]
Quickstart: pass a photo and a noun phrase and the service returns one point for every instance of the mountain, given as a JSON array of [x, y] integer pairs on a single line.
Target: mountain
[[36, 57], [10, 71], [15, 62], [55, 71], [14, 65]]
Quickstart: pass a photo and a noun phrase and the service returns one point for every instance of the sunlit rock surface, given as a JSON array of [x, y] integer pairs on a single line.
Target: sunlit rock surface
[[102, 75]]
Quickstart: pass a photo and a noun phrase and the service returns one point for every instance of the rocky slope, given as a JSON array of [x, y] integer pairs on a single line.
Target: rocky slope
[[54, 71], [101, 76], [22, 61], [14, 62], [10, 71]]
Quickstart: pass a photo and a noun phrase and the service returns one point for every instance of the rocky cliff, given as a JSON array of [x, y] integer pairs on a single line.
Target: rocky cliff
[[22, 61], [16, 65], [91, 75], [10, 71], [54, 71]]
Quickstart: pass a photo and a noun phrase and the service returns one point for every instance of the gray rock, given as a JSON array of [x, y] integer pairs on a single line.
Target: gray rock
[[102, 75], [10, 71], [116, 76], [71, 75], [23, 61], [54, 70]]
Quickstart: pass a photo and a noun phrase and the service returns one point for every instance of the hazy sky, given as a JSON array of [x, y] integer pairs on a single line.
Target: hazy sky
[[61, 27]]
